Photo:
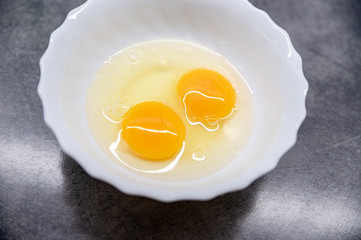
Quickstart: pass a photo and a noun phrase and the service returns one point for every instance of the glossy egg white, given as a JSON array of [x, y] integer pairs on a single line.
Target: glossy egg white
[[150, 71]]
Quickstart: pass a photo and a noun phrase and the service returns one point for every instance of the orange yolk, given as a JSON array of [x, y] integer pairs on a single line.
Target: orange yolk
[[207, 97], [152, 130]]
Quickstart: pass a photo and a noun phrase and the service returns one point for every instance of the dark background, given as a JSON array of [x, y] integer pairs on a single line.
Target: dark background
[[314, 193]]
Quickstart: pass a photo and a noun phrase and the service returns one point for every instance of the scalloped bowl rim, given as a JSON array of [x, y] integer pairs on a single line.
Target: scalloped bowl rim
[[130, 188]]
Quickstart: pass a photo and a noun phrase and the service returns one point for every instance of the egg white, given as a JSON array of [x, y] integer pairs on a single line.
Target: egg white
[[150, 71]]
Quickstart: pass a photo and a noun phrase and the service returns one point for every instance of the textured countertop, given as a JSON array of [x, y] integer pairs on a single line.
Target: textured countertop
[[314, 193]]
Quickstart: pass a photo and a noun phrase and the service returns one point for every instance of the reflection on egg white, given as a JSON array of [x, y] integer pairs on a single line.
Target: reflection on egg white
[[167, 168], [213, 123]]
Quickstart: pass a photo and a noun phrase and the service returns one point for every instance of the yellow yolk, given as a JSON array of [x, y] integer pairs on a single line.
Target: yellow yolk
[[207, 97], [152, 130]]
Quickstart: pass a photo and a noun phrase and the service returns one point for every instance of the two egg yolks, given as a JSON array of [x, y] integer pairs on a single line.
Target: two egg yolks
[[154, 131]]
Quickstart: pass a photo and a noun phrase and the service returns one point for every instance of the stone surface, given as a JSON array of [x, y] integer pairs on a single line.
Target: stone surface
[[314, 193]]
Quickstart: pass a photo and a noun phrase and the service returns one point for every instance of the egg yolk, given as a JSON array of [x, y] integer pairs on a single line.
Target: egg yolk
[[153, 130], [207, 97]]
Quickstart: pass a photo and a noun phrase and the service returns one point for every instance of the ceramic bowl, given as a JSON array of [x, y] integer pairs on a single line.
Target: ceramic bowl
[[260, 50]]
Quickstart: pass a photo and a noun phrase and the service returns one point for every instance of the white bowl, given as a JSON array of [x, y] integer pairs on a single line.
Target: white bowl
[[245, 35]]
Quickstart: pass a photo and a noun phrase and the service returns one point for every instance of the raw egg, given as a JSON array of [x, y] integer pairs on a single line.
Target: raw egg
[[170, 110], [153, 131], [207, 97]]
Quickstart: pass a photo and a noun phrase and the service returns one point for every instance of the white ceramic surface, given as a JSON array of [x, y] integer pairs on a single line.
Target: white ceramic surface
[[246, 36]]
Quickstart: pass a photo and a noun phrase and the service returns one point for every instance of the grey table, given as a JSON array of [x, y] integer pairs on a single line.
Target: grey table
[[314, 193]]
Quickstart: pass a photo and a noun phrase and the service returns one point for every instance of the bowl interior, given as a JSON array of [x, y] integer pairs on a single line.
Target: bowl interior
[[246, 37]]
